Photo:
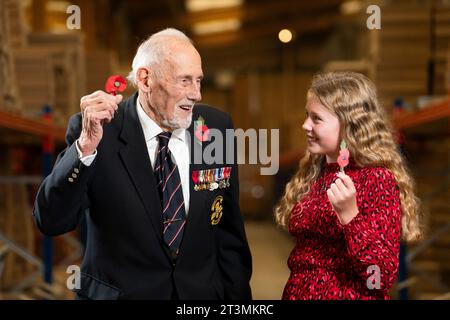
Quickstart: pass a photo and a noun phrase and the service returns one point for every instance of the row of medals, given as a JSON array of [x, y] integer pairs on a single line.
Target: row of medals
[[211, 186]]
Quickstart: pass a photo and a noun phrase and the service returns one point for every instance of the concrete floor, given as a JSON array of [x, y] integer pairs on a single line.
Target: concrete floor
[[270, 248]]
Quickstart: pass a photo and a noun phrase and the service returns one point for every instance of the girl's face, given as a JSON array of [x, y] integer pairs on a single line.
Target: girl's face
[[322, 129]]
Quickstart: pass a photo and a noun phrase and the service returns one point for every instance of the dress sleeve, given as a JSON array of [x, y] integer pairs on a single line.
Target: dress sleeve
[[373, 236]]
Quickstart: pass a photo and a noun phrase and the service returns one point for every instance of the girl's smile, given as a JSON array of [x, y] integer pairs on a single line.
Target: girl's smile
[[322, 129]]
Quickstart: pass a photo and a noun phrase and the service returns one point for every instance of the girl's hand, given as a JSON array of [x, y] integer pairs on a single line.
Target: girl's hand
[[342, 195]]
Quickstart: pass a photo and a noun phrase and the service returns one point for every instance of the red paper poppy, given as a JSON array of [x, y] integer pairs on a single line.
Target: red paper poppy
[[115, 84], [202, 133], [343, 158]]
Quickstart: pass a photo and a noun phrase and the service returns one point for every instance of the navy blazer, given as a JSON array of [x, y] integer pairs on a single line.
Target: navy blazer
[[125, 256]]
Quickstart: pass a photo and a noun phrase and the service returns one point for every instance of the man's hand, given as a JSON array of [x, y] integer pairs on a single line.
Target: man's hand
[[96, 109], [342, 195]]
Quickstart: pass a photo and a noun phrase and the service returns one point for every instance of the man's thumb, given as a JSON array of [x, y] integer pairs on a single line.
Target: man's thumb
[[119, 98]]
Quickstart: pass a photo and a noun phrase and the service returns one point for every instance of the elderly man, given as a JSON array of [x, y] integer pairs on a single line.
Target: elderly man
[[160, 225]]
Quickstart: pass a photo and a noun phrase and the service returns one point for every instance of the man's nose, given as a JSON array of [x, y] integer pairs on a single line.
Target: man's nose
[[194, 93]]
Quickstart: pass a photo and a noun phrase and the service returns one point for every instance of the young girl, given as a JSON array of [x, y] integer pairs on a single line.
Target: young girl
[[347, 225]]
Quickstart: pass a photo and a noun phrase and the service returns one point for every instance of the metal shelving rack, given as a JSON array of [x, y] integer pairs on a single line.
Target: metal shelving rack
[[49, 134]]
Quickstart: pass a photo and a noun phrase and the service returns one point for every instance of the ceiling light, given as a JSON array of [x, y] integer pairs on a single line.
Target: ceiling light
[[215, 26], [351, 7], [285, 35], [200, 5], [58, 6]]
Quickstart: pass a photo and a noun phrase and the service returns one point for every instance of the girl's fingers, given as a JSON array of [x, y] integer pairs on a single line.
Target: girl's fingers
[[331, 196], [346, 180], [340, 185], [335, 189]]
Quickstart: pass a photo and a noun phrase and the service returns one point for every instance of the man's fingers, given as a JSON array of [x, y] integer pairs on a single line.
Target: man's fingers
[[91, 96], [100, 98], [103, 115], [101, 107], [94, 118], [97, 116], [98, 102]]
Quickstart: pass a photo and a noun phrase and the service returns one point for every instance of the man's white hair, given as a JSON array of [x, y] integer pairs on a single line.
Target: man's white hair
[[152, 51]]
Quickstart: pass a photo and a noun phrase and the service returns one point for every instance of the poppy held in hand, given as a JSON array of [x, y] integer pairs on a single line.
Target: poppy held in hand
[[115, 84], [344, 156]]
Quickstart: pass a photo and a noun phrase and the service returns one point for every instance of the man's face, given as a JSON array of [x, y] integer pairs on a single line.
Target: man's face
[[175, 91]]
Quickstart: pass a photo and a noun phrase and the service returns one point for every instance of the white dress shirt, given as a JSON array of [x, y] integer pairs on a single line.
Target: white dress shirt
[[178, 145]]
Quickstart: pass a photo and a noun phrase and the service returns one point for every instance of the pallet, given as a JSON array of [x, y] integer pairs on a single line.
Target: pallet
[[69, 69], [402, 52], [14, 16], [17, 225], [9, 99], [100, 64], [441, 55], [36, 85]]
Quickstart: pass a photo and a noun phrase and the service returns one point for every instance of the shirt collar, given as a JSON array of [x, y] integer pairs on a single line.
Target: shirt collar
[[151, 129]]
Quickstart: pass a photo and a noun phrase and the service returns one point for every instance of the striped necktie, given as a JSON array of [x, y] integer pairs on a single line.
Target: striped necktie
[[171, 195]]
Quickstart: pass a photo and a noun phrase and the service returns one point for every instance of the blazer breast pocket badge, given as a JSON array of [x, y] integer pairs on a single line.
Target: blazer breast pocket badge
[[211, 179], [216, 210]]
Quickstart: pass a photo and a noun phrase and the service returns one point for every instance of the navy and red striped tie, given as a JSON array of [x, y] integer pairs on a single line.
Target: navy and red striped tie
[[171, 194]]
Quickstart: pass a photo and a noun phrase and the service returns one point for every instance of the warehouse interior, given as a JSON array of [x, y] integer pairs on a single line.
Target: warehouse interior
[[258, 59]]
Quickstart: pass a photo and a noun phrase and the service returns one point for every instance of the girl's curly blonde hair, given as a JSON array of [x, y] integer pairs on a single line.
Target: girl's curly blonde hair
[[353, 99]]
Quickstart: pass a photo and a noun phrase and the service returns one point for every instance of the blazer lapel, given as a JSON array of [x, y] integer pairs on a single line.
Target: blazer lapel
[[136, 160], [197, 198]]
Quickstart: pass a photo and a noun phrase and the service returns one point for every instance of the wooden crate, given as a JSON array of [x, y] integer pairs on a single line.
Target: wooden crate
[[447, 73], [66, 90], [441, 54], [16, 225], [35, 80], [15, 20], [68, 60], [402, 52], [429, 162], [271, 101], [9, 99], [100, 64]]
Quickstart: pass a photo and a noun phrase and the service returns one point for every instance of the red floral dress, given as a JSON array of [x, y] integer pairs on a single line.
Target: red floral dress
[[335, 261]]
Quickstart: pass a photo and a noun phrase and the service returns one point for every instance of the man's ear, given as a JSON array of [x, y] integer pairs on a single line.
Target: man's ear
[[143, 79]]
